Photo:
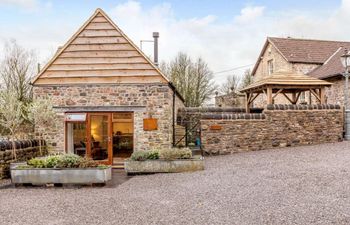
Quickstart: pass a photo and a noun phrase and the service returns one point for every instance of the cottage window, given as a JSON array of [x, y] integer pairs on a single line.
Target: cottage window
[[270, 67], [76, 138]]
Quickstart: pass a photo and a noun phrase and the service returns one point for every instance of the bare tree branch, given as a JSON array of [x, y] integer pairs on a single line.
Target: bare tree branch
[[193, 80]]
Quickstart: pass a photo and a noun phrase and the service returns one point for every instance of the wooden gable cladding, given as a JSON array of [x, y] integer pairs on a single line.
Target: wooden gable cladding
[[99, 52]]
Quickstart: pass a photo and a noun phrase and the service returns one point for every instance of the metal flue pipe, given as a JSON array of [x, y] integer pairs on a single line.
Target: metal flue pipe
[[155, 55]]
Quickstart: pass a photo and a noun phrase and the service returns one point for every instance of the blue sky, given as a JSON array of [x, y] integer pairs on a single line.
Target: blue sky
[[226, 33]]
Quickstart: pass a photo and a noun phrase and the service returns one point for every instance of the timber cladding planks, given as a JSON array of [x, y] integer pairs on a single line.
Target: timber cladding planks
[[100, 40], [99, 26], [100, 80], [99, 33], [105, 66], [98, 60], [88, 54], [96, 47], [89, 73], [97, 52]]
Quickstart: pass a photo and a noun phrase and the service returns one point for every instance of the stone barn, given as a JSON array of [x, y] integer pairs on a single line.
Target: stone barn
[[109, 97]]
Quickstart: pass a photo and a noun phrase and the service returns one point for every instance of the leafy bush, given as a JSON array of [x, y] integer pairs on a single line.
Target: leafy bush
[[37, 163], [62, 161], [154, 154], [69, 161], [175, 153], [165, 154], [52, 161], [139, 156], [88, 163], [144, 155]]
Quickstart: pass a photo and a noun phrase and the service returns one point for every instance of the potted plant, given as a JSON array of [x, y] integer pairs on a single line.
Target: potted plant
[[60, 169], [172, 160]]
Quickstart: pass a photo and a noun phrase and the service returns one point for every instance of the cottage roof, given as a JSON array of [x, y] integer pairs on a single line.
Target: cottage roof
[[303, 50], [99, 52], [332, 67]]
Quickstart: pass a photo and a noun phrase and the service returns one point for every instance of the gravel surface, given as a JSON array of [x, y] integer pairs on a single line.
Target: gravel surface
[[302, 185]]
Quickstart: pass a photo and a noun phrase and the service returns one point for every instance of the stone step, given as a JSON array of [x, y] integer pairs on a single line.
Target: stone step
[[119, 167]]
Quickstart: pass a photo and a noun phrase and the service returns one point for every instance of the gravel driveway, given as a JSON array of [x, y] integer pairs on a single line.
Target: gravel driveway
[[302, 185]]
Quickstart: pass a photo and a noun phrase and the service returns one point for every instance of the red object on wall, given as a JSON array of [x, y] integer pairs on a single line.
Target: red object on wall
[[150, 124]]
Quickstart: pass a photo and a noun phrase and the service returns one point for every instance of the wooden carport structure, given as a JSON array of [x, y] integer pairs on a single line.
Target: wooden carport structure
[[285, 83]]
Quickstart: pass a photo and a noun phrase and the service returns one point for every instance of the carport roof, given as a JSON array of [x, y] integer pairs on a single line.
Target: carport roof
[[286, 80]]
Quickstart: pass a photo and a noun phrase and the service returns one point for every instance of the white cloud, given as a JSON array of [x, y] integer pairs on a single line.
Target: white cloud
[[250, 13], [223, 45], [25, 4]]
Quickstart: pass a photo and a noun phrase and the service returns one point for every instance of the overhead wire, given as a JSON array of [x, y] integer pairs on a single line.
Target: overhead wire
[[235, 68]]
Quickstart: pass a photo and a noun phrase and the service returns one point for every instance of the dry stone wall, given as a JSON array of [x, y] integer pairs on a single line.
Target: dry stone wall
[[277, 126], [25, 150]]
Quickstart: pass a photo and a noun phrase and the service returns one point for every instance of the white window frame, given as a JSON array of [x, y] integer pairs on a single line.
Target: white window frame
[[270, 67]]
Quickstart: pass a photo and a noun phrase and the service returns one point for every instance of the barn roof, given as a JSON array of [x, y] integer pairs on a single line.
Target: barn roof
[[99, 52]]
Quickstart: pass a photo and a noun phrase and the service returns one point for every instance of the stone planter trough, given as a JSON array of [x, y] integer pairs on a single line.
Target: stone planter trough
[[38, 176], [163, 166]]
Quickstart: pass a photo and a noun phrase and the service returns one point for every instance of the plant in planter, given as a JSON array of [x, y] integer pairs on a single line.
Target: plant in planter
[[164, 160], [176, 153], [145, 155], [41, 113], [11, 116], [65, 168]]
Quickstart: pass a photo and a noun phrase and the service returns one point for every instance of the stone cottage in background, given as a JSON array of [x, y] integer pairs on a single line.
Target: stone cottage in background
[[110, 98], [316, 58], [232, 99]]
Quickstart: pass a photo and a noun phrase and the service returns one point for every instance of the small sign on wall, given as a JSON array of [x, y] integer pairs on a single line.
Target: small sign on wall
[[150, 124], [215, 127]]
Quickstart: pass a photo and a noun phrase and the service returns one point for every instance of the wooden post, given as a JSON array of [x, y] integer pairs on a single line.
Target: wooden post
[[294, 98], [247, 104], [322, 95], [269, 95], [310, 97]]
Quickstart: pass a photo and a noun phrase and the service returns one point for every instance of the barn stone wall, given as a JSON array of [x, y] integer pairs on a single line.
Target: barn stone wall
[[277, 126], [151, 100]]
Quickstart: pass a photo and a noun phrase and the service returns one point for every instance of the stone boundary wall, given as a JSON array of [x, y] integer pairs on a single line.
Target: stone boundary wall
[[277, 126], [25, 150]]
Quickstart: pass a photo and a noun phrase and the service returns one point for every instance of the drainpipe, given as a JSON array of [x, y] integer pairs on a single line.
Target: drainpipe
[[174, 127]]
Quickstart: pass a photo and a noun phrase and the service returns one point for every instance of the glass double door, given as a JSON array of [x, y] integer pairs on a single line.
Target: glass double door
[[99, 137], [105, 137]]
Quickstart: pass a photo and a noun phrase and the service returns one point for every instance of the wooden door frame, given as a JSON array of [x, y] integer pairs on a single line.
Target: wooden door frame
[[109, 161], [133, 128], [110, 133]]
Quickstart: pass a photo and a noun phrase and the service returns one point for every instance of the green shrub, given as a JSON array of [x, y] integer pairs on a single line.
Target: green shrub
[[154, 154], [175, 153], [52, 161], [192, 144], [24, 167], [164, 154], [139, 156], [62, 161], [88, 163], [37, 162], [145, 155], [69, 161]]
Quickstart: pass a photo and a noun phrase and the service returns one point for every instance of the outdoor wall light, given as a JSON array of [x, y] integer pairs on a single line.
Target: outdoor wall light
[[345, 60]]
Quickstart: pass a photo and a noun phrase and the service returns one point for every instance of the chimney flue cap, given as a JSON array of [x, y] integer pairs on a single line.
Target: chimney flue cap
[[155, 34]]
